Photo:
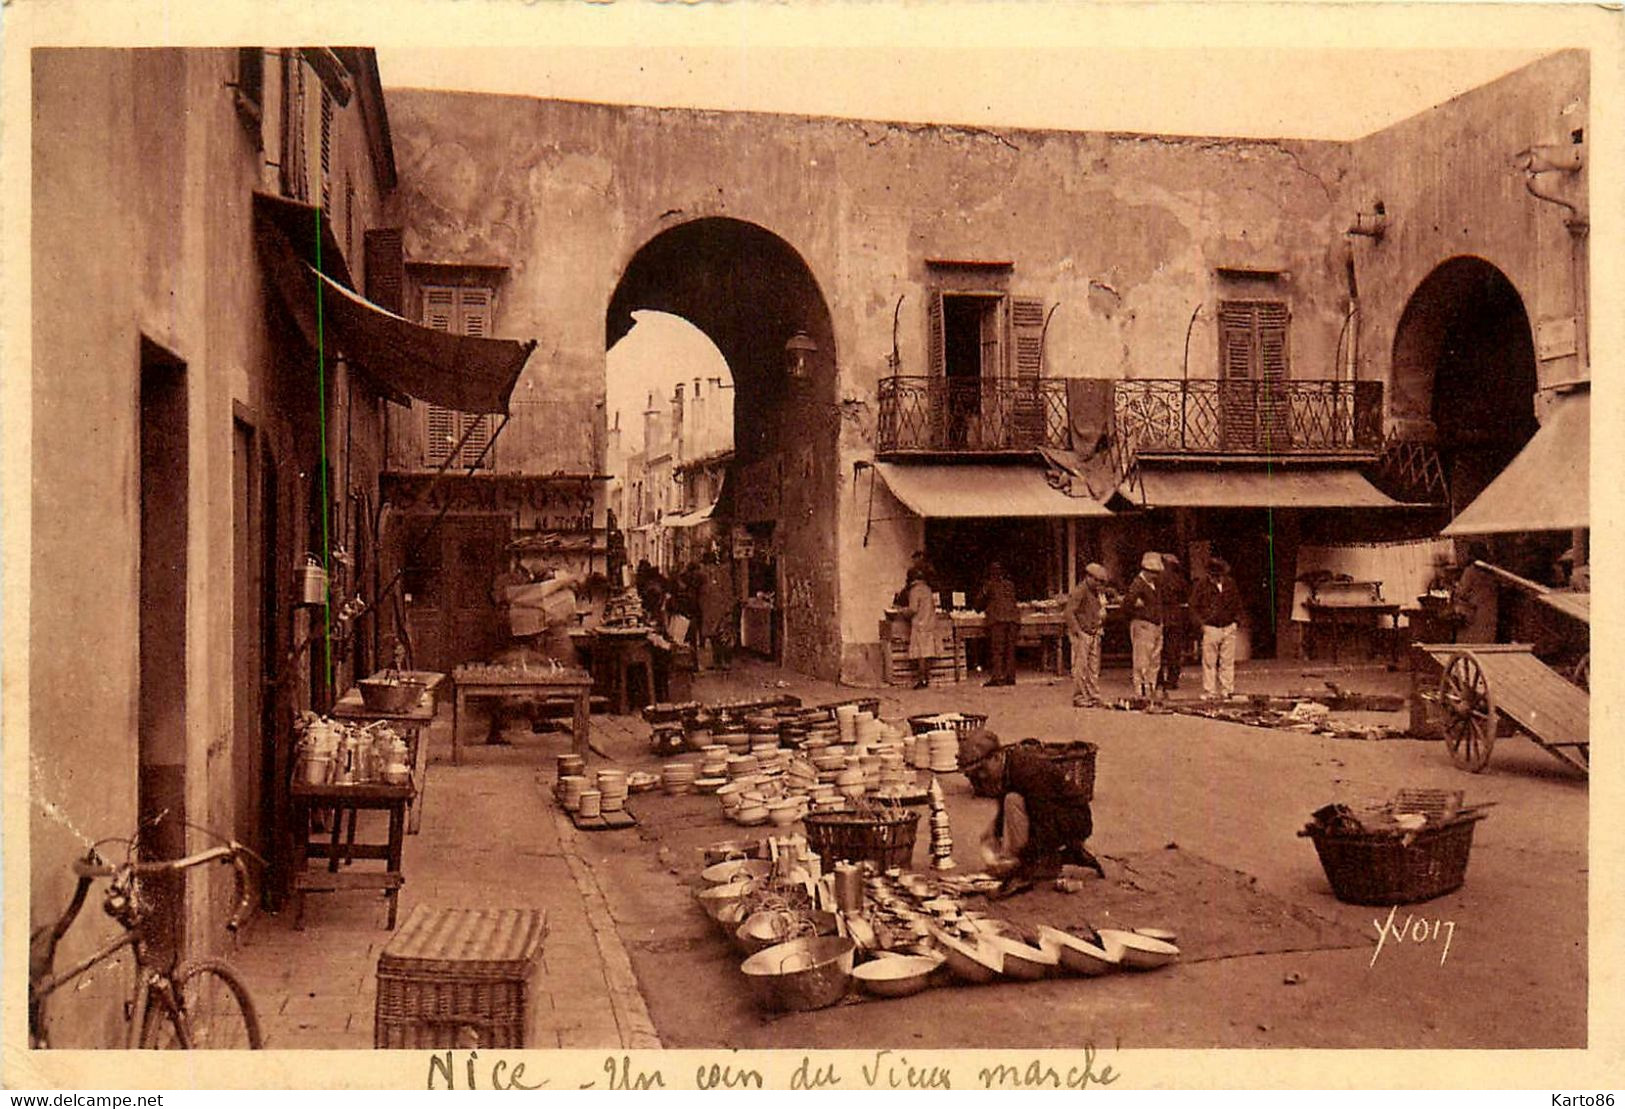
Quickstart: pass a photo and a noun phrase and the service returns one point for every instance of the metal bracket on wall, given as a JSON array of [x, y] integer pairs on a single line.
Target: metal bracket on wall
[[869, 513]]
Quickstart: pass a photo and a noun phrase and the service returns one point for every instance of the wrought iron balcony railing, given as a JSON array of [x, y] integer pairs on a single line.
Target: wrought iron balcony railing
[[986, 415], [1170, 416]]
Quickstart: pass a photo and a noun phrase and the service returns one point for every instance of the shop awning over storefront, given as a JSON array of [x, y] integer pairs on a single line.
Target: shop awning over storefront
[[689, 519], [463, 372], [1334, 487], [982, 492], [1547, 487]]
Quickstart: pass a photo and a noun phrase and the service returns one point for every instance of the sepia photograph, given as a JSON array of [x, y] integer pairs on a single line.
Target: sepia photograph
[[977, 561]]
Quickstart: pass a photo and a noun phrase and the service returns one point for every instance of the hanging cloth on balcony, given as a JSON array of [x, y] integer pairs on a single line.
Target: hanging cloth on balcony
[[462, 372], [944, 491], [1547, 487], [1321, 487]]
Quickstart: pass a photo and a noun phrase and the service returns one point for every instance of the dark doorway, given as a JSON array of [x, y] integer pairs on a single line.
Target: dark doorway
[[161, 708], [447, 582], [253, 636], [1464, 360]]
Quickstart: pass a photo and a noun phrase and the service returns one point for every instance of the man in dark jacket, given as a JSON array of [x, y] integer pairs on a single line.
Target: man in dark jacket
[[997, 601], [1176, 620], [1043, 820], [1144, 607], [1216, 605]]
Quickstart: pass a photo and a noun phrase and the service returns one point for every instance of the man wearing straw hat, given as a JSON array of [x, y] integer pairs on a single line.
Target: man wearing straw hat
[[1144, 607]]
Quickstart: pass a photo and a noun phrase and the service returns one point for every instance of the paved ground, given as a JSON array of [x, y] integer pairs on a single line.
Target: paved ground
[[631, 960]]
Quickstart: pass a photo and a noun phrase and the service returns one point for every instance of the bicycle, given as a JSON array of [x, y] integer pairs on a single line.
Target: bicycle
[[200, 1004]]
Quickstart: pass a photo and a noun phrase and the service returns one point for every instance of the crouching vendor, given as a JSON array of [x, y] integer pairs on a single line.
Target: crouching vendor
[[1042, 823]]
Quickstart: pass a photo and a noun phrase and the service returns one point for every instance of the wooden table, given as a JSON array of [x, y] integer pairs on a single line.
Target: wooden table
[[1355, 614], [346, 800], [410, 724], [481, 682], [1046, 630]]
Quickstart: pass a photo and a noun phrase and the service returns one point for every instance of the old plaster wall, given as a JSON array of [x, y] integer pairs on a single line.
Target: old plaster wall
[[132, 233], [143, 174], [1123, 232], [1448, 180]]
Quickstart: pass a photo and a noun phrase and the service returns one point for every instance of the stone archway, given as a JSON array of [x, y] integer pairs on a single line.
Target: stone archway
[[1464, 370], [749, 291]]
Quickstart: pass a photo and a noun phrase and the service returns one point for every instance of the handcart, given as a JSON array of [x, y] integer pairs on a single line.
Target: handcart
[[1488, 690]]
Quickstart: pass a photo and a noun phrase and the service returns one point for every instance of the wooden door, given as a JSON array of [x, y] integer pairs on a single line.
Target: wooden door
[[474, 553]]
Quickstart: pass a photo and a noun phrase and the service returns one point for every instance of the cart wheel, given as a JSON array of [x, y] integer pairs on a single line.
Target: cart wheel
[[1470, 718]]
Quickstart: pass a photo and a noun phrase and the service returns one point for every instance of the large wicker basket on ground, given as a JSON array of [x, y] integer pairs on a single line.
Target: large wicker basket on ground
[[1390, 868], [458, 978], [885, 837]]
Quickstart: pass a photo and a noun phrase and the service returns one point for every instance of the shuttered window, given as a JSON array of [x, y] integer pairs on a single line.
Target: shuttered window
[[385, 268], [462, 311], [327, 151], [1252, 361]]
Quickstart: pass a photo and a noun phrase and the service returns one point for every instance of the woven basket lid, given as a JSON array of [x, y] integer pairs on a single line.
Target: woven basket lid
[[466, 941]]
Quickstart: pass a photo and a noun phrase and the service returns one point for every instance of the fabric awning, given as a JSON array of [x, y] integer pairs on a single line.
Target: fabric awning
[[689, 519], [1335, 487], [466, 373], [1547, 487], [981, 491]]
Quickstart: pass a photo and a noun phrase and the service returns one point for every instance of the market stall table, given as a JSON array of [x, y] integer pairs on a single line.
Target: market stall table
[[409, 724], [1334, 616], [476, 680], [1044, 629], [344, 801]]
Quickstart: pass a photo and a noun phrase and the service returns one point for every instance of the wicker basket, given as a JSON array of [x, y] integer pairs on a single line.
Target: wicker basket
[[967, 722], [1385, 868], [458, 978], [885, 839], [1076, 762]]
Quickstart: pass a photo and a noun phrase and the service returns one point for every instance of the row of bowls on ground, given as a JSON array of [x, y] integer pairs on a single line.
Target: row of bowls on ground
[[817, 970]]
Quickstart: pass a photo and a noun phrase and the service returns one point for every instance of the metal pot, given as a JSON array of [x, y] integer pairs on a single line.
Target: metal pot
[[802, 974]]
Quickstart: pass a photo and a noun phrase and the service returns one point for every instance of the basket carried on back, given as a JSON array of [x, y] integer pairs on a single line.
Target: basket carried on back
[[885, 838]]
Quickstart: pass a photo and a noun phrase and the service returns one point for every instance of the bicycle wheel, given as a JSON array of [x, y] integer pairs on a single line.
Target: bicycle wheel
[[217, 1014]]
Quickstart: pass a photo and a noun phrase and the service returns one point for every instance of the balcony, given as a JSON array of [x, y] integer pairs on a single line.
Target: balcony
[[971, 415], [1248, 419]]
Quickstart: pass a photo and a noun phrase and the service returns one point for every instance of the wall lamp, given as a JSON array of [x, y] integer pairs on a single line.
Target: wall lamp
[[798, 352], [1373, 224]]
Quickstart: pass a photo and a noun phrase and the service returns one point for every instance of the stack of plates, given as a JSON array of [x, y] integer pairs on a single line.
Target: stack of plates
[[679, 777], [590, 803], [612, 785], [734, 741], [741, 765], [944, 751], [919, 752], [571, 765], [709, 785], [893, 772], [571, 787]]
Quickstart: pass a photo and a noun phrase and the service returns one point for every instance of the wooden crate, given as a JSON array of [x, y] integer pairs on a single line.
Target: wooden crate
[[458, 978], [947, 669]]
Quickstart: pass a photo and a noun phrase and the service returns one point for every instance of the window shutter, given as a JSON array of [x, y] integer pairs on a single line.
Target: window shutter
[[439, 307], [936, 346], [462, 311], [1252, 360], [476, 312], [385, 267], [1027, 329]]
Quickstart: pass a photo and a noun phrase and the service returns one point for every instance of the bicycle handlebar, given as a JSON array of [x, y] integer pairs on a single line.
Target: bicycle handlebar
[[91, 866]]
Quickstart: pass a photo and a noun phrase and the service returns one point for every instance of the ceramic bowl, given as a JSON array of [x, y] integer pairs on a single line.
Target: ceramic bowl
[[749, 814], [974, 965], [723, 873], [1023, 960], [1163, 934], [1138, 952], [784, 815], [715, 899], [1077, 955]]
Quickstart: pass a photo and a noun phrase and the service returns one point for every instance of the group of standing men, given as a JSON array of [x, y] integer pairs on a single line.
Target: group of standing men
[[1162, 609]]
